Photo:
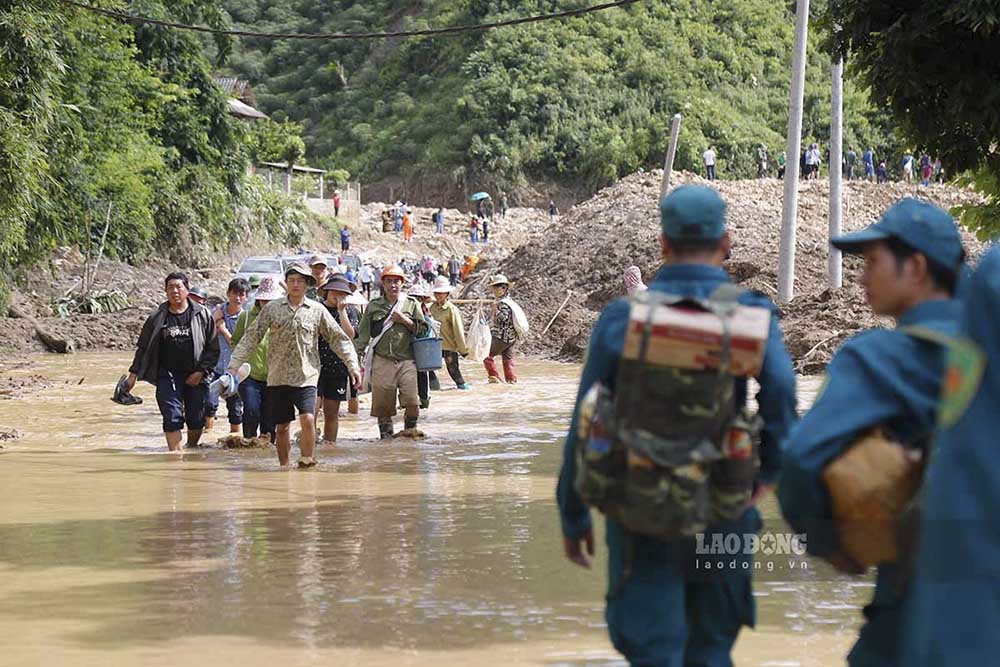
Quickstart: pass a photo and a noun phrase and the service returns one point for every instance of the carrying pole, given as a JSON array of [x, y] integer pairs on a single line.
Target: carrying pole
[[559, 310]]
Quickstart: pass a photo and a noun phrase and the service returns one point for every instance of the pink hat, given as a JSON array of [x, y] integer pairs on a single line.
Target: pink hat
[[633, 280]]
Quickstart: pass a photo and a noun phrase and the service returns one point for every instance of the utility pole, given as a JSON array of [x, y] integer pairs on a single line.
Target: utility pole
[[668, 165], [835, 267], [789, 214]]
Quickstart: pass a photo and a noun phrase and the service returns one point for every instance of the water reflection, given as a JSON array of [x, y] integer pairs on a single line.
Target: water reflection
[[449, 544]]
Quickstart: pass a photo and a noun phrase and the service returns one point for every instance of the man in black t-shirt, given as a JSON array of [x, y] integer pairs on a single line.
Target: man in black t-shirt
[[177, 350]]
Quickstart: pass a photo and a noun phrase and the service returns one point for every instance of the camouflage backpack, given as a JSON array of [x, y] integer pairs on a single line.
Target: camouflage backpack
[[669, 452]]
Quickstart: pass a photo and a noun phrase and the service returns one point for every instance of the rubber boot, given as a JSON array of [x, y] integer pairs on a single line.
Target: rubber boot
[[435, 383], [385, 428], [508, 371], [491, 369]]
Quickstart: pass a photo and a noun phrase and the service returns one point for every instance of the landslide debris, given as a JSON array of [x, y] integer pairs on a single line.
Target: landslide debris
[[588, 248], [506, 234]]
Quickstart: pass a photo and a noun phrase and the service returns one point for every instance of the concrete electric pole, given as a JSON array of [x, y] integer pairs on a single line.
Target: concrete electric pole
[[789, 214], [835, 266]]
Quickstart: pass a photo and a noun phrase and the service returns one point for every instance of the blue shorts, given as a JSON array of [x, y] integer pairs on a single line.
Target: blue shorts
[[179, 403]]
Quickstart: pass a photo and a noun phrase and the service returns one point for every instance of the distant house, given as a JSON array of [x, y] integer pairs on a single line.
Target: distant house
[[241, 97]]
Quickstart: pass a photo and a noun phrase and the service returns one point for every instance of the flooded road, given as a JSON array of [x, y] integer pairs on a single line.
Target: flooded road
[[443, 551]]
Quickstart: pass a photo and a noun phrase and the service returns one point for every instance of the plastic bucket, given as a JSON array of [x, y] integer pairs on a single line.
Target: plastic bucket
[[427, 353]]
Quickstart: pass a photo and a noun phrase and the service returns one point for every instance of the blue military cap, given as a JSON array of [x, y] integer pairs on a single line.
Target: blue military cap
[[926, 228], [693, 213]]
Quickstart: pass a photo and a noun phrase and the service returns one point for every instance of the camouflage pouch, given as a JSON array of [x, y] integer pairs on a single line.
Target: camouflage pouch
[[600, 462], [731, 478]]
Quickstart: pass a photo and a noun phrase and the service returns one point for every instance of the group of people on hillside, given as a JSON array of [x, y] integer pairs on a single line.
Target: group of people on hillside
[[662, 443], [310, 345], [866, 166]]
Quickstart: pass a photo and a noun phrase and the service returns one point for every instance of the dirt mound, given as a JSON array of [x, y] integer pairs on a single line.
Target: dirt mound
[[587, 250]]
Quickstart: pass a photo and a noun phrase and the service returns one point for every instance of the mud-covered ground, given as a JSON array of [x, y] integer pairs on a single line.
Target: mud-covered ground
[[579, 260], [588, 249]]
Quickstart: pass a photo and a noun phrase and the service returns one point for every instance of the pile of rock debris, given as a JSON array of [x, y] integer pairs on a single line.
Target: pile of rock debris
[[587, 249]]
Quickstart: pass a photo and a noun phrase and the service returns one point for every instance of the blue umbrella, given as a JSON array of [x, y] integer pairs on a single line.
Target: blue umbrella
[[479, 195]]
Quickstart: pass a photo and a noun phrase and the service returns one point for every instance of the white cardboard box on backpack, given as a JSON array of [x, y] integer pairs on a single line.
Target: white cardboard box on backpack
[[685, 337]]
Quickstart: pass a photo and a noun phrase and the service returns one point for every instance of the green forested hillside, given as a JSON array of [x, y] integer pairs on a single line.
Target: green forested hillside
[[105, 124], [577, 102]]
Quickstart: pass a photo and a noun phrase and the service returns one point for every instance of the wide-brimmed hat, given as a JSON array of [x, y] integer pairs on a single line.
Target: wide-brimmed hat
[[269, 290], [393, 271], [338, 283], [442, 285], [302, 271], [419, 290], [318, 259], [499, 279]]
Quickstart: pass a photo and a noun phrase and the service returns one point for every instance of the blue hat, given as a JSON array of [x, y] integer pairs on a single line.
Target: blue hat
[[693, 213], [924, 227]]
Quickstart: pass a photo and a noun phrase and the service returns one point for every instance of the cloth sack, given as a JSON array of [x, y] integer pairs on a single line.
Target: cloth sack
[[480, 339], [521, 325]]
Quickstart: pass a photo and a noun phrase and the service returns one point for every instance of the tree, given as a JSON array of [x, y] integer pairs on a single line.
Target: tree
[[934, 65]]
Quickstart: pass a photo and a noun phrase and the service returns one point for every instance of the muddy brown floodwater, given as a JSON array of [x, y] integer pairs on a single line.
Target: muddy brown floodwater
[[444, 551]]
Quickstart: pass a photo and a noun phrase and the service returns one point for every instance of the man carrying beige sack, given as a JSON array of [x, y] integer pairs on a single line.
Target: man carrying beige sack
[[857, 453]]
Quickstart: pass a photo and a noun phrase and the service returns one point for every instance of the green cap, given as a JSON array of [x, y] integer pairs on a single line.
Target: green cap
[[926, 228], [254, 281], [693, 213]]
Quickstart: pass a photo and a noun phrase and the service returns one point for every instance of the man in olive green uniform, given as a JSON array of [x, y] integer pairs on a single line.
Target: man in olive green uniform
[[391, 322]]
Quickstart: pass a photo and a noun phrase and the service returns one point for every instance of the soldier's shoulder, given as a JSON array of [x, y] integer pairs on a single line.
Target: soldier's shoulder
[[758, 299]]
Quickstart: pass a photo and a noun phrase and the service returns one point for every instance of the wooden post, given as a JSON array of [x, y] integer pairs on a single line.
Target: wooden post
[[668, 165], [790, 210], [321, 186]]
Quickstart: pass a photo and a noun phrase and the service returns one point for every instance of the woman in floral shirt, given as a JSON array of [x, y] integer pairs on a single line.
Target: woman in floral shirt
[[504, 333]]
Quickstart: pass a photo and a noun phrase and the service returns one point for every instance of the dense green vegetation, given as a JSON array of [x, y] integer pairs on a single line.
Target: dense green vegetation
[[579, 102], [935, 65], [101, 121]]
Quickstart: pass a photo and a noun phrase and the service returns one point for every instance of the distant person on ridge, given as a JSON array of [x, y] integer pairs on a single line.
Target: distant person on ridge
[[708, 157], [868, 158]]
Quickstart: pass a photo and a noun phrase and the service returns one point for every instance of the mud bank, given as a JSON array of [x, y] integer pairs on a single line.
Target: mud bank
[[587, 250]]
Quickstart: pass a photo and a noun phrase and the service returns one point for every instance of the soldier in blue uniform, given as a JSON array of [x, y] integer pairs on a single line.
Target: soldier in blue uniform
[[954, 604], [879, 378], [657, 612]]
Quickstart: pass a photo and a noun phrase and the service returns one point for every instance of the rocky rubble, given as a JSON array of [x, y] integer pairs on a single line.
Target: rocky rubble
[[588, 248], [520, 225]]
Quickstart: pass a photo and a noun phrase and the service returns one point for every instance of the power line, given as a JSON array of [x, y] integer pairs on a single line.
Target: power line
[[479, 27]]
